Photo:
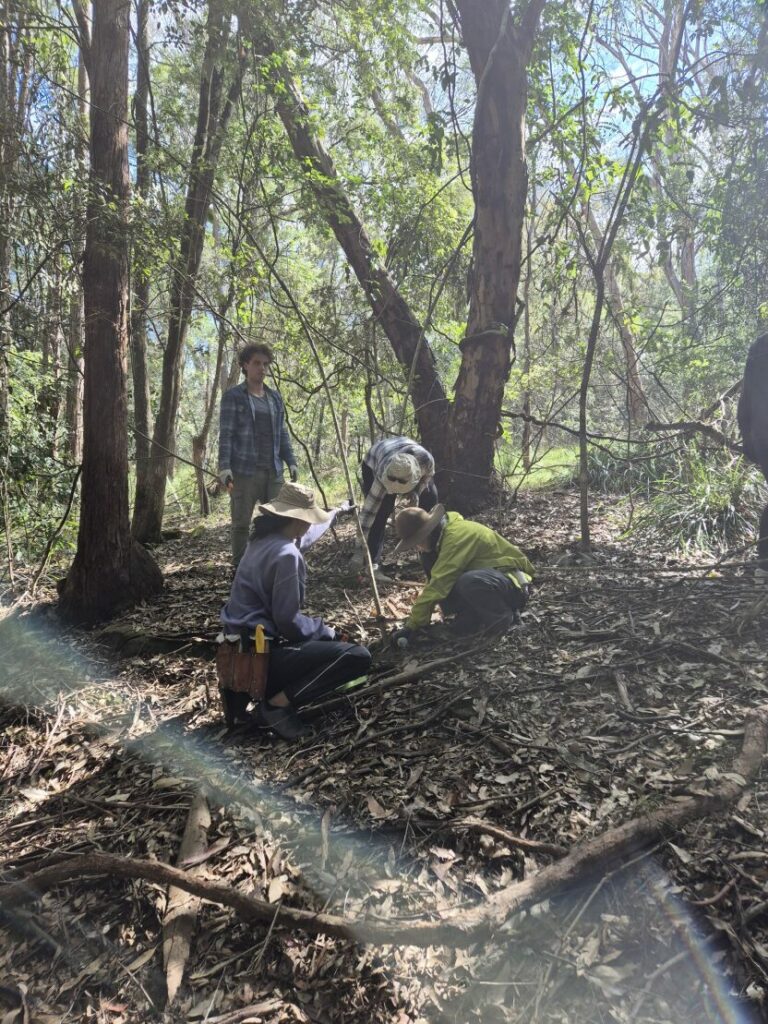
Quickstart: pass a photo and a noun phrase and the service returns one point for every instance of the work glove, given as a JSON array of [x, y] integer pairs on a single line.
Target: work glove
[[226, 478], [293, 472], [400, 638], [346, 508], [339, 635]]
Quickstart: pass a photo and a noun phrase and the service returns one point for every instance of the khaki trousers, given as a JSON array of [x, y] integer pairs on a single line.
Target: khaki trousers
[[247, 492]]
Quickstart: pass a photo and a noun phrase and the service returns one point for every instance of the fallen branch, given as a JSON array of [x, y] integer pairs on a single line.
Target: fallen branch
[[610, 851], [389, 682], [696, 427], [529, 845], [182, 909]]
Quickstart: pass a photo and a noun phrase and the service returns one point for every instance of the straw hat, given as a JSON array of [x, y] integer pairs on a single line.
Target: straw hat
[[401, 474], [296, 502], [414, 525]]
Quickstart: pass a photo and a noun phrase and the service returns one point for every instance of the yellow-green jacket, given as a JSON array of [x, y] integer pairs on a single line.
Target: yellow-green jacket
[[465, 545]]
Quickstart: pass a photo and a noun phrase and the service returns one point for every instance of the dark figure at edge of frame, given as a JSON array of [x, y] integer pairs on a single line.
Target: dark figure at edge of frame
[[394, 466], [474, 573], [253, 443], [306, 657], [753, 423]]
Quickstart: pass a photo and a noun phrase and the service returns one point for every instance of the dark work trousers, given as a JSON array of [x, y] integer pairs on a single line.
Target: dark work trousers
[[483, 599], [309, 669], [427, 501]]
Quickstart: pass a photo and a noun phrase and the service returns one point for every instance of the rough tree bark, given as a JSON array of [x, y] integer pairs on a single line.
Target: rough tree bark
[[499, 45], [109, 571], [216, 102]]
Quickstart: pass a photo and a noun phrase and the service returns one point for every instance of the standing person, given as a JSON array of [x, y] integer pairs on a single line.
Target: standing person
[[253, 443], [474, 573], [307, 658], [396, 465]]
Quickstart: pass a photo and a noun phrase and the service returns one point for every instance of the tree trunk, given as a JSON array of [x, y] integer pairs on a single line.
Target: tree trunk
[[200, 442], [527, 282], [15, 70], [216, 103], [74, 401], [76, 336], [141, 398], [499, 50], [398, 321], [108, 571], [637, 405], [49, 396]]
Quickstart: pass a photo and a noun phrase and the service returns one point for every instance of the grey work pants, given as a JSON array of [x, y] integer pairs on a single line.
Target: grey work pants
[[247, 492]]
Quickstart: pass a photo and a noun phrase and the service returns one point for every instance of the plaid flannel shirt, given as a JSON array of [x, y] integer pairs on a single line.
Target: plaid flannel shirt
[[377, 458], [237, 440]]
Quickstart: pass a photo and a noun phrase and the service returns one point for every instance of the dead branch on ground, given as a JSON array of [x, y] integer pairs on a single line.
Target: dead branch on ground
[[458, 928]]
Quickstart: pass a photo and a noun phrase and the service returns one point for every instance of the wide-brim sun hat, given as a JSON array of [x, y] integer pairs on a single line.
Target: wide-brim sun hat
[[414, 525], [294, 501], [402, 474]]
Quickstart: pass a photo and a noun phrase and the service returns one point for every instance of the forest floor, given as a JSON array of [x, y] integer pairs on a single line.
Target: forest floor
[[626, 686]]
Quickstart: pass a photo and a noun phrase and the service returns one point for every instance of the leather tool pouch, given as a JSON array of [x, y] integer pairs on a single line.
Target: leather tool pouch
[[242, 671]]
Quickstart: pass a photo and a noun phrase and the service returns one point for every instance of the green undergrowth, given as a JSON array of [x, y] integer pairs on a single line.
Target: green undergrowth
[[554, 467]]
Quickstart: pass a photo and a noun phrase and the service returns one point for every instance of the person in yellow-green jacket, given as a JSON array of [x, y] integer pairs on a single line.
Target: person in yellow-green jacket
[[474, 573]]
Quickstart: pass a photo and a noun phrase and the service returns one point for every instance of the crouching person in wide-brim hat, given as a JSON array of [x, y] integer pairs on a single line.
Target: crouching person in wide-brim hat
[[307, 658], [474, 573]]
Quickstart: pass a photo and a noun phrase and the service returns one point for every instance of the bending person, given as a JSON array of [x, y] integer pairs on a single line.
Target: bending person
[[474, 573], [306, 657], [396, 465]]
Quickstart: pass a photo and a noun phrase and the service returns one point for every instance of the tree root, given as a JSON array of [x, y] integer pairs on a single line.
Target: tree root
[[457, 928]]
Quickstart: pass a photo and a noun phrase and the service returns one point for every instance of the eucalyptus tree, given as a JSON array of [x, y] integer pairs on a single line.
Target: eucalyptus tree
[[109, 570], [220, 81], [499, 42]]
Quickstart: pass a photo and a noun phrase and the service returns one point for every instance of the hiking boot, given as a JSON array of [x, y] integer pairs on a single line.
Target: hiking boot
[[284, 721]]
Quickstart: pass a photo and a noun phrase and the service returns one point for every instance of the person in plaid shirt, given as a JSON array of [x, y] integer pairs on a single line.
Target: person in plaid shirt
[[253, 443], [396, 465]]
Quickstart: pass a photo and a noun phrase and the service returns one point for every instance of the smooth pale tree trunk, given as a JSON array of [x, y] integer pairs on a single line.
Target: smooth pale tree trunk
[[499, 44], [73, 414], [216, 102], [76, 333], [527, 282], [140, 276], [109, 571]]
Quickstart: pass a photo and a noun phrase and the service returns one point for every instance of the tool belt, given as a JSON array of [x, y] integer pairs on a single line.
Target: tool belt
[[242, 664]]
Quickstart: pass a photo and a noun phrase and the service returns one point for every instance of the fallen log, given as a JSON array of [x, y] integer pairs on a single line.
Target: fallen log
[[607, 852]]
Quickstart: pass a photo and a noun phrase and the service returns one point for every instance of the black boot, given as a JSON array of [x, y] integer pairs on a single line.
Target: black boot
[[234, 706], [284, 721]]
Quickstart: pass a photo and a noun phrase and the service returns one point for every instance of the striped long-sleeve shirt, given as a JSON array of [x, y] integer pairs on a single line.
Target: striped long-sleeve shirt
[[377, 459]]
